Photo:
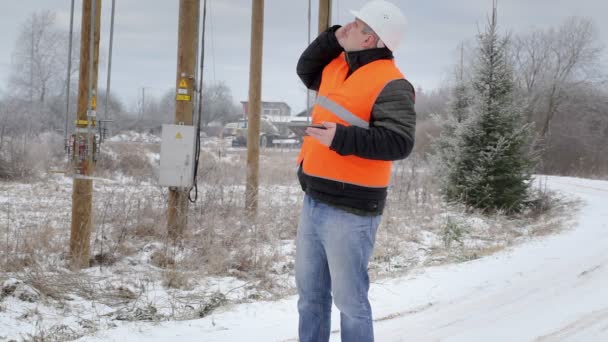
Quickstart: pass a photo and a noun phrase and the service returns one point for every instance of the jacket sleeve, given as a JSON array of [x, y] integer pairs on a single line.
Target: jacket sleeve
[[317, 55], [392, 127]]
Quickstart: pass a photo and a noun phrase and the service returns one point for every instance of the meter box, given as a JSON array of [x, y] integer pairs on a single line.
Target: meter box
[[177, 156]]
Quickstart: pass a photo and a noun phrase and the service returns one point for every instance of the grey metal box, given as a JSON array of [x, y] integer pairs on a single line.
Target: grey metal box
[[177, 156]]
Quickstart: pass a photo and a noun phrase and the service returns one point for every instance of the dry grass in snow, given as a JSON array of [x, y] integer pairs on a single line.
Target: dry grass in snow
[[137, 273]]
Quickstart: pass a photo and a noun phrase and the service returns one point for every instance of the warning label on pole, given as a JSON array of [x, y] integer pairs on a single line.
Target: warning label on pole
[[182, 91]]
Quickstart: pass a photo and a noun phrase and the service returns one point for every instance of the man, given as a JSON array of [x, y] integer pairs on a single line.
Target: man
[[367, 109]]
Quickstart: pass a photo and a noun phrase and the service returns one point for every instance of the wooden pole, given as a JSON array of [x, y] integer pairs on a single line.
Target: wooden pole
[[324, 15], [82, 191], [177, 215], [254, 108]]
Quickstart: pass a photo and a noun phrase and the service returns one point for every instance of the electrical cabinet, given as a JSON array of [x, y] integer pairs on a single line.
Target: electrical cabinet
[[177, 156]]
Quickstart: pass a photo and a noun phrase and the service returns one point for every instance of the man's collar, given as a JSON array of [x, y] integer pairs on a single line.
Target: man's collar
[[357, 59]]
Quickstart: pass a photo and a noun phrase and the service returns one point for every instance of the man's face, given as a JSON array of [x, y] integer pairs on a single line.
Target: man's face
[[356, 40]]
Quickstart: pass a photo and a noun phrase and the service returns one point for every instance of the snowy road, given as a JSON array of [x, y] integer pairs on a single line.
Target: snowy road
[[554, 288]]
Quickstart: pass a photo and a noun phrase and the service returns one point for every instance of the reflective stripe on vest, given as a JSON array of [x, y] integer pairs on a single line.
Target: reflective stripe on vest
[[341, 112]]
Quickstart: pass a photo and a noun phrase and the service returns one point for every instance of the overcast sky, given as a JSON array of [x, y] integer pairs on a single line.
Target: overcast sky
[[145, 44]]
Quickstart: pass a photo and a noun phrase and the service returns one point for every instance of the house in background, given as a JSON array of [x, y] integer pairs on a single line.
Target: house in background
[[278, 113]]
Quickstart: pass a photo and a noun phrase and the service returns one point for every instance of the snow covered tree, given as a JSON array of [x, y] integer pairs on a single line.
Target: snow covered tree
[[492, 166], [446, 144], [38, 71]]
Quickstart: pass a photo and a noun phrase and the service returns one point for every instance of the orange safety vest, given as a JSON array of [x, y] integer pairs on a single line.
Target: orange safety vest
[[348, 101]]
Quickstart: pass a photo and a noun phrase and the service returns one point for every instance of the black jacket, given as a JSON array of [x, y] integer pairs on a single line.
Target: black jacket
[[391, 132]]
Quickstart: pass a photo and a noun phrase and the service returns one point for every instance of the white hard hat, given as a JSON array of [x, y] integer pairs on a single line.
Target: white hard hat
[[385, 19]]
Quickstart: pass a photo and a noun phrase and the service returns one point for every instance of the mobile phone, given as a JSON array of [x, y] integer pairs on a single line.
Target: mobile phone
[[317, 126]]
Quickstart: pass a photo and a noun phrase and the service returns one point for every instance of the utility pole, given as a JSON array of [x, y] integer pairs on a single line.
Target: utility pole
[[32, 72], [324, 15], [308, 92], [177, 215], [324, 21], [84, 141], [255, 107]]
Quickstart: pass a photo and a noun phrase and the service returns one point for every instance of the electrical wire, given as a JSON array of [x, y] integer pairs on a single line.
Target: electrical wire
[[68, 77], [91, 113], [105, 114], [212, 39], [200, 109]]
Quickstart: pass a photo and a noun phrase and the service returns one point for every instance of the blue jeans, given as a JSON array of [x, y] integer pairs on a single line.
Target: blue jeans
[[333, 248]]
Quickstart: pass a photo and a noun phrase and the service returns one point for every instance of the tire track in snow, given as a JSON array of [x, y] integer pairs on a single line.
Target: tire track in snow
[[574, 328]]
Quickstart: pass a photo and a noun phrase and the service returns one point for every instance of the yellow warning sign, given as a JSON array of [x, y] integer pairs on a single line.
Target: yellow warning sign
[[84, 123], [183, 83], [182, 97], [94, 103], [178, 136]]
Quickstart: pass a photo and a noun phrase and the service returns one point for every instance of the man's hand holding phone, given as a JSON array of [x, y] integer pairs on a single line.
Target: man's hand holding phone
[[324, 132]]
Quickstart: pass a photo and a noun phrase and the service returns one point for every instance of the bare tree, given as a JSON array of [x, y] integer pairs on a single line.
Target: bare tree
[[578, 143], [38, 67], [218, 104], [166, 107], [4, 118], [36, 58], [432, 102], [13, 137], [550, 62]]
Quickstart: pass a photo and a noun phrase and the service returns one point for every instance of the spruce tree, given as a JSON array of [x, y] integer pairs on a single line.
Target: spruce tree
[[492, 166], [445, 146]]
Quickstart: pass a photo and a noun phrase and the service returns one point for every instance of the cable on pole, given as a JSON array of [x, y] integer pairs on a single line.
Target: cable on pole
[[108, 83], [90, 112], [200, 107]]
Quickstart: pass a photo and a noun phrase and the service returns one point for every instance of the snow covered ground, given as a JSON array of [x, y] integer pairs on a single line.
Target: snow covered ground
[[552, 288]]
